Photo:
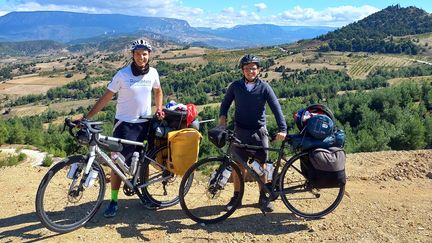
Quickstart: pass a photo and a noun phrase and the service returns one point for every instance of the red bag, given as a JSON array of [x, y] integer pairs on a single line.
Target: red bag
[[191, 113]]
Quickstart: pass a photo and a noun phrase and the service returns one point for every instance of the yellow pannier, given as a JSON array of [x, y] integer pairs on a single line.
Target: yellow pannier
[[183, 149]]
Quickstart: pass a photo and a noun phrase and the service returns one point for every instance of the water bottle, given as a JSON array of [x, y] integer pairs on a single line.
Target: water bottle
[[225, 176], [119, 159], [134, 163], [212, 176], [257, 167], [72, 170], [91, 178], [269, 170], [171, 103]]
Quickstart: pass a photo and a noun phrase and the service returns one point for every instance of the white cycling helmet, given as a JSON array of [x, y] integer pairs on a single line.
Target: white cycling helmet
[[140, 44]]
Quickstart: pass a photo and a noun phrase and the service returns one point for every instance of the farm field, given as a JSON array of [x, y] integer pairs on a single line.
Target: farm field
[[396, 81], [31, 110], [35, 84], [363, 66]]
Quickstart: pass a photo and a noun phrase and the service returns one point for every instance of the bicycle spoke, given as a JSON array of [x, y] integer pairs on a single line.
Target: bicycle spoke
[[163, 186], [207, 201], [63, 208], [302, 198]]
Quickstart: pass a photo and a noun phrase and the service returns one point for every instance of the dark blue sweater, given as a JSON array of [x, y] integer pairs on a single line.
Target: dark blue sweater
[[250, 105]]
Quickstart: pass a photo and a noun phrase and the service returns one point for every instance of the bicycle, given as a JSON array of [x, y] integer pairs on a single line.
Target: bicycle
[[72, 191], [205, 193]]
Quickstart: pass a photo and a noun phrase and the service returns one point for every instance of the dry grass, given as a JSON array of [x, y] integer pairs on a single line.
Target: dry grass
[[49, 66], [31, 110], [298, 61], [34, 84], [396, 81], [194, 60], [271, 75], [68, 105], [27, 110]]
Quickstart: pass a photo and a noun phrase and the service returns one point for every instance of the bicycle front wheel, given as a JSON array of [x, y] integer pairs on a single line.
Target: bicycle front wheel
[[63, 203], [301, 197], [207, 199]]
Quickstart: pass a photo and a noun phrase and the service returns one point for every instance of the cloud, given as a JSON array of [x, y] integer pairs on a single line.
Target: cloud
[[255, 16], [160, 8], [228, 17], [336, 16], [242, 13], [228, 10], [260, 6]]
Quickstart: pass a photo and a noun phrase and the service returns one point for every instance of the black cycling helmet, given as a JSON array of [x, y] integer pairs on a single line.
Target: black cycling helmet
[[249, 58]]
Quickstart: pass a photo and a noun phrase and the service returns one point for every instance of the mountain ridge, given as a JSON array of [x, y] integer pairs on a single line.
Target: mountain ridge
[[69, 26]]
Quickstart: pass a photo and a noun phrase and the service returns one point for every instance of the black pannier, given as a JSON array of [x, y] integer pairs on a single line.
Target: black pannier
[[175, 119], [325, 167]]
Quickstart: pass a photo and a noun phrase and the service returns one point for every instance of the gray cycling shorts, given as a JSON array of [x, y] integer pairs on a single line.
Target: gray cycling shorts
[[257, 137]]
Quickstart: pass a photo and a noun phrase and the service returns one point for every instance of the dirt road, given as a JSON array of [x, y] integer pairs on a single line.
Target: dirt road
[[389, 199]]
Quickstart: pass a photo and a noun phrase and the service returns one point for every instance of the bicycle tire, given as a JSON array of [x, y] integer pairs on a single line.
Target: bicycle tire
[[55, 186], [201, 200], [164, 193], [301, 197]]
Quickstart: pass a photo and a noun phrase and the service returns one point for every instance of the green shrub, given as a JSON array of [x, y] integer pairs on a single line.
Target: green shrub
[[47, 161], [21, 157], [10, 160]]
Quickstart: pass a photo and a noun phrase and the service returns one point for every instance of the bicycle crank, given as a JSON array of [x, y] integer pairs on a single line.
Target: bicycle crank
[[128, 191]]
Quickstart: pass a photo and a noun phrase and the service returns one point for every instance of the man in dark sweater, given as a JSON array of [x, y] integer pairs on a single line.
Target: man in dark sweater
[[250, 95]]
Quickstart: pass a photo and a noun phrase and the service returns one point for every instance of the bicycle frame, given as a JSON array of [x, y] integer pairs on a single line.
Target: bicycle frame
[[98, 140], [270, 192]]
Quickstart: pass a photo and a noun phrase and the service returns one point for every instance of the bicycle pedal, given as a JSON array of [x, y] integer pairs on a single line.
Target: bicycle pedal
[[263, 211]]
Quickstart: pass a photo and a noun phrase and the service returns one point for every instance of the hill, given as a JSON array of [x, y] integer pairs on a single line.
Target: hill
[[268, 34], [30, 48], [375, 33], [387, 200], [67, 26]]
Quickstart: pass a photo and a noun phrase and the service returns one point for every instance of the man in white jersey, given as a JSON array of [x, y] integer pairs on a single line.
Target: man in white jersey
[[133, 85]]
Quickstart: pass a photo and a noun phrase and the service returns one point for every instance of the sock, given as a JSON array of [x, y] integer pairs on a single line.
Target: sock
[[114, 195], [236, 194]]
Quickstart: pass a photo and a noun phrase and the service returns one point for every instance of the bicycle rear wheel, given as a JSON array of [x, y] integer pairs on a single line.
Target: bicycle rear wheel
[[64, 204], [301, 197], [163, 193], [206, 201]]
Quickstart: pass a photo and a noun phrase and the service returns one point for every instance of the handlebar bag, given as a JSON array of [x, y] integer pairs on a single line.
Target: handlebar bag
[[325, 167], [183, 149]]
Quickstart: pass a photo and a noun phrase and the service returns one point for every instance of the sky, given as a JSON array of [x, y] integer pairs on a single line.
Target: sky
[[225, 13]]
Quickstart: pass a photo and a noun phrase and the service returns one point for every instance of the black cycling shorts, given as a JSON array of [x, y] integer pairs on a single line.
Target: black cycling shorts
[[131, 131], [257, 137]]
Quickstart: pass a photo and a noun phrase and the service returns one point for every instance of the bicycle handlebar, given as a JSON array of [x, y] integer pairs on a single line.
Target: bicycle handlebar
[[90, 125], [236, 142]]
